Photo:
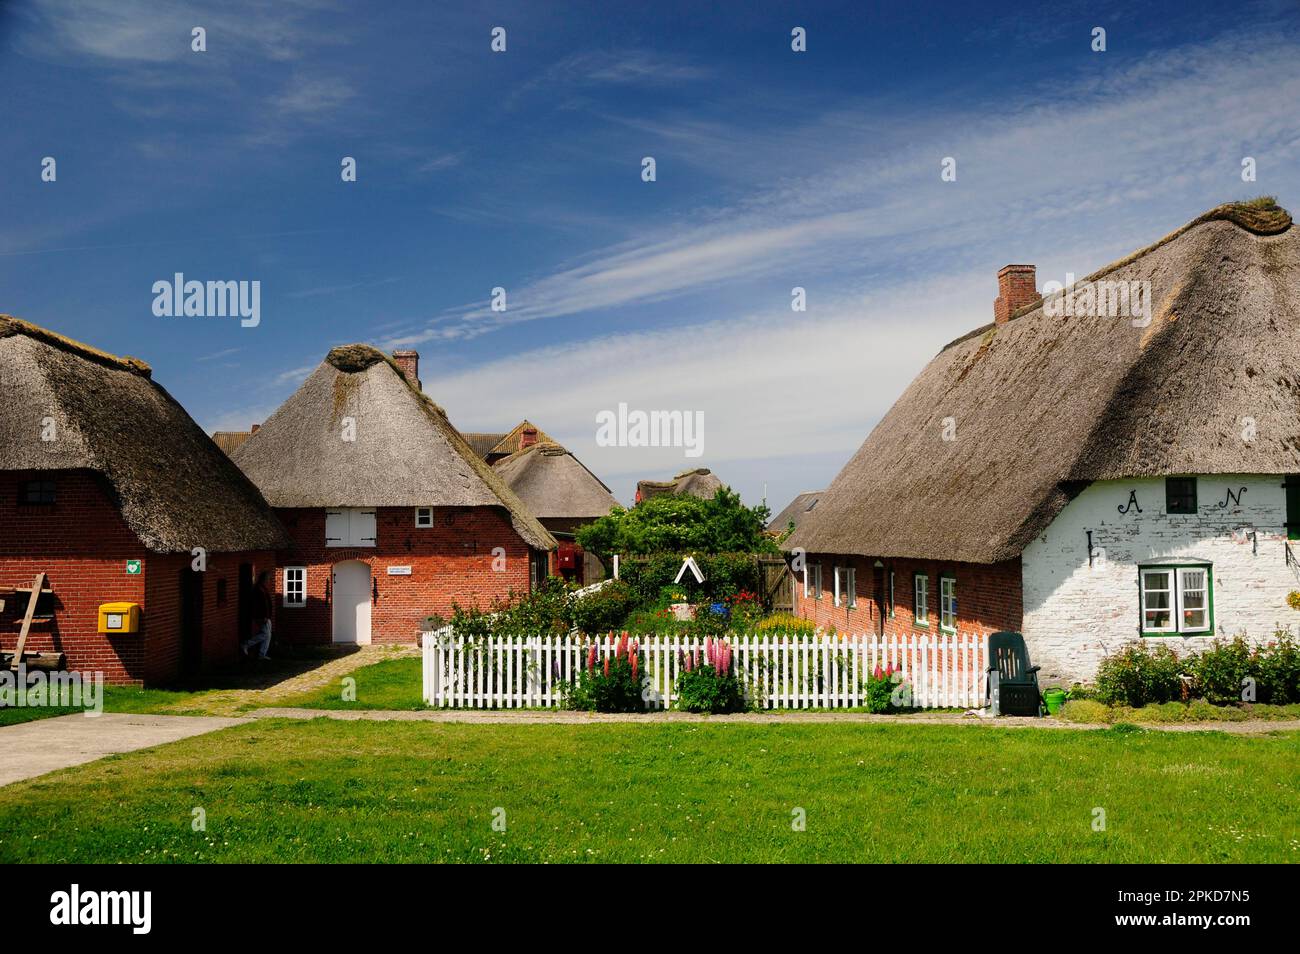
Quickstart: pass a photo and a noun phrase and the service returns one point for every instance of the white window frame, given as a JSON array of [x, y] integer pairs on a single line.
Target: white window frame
[[1182, 593], [427, 514], [891, 594], [948, 604], [1178, 590], [301, 588], [846, 593], [921, 599], [816, 570], [1171, 588]]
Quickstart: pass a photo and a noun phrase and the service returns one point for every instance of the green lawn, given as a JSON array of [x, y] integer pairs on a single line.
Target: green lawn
[[117, 699], [392, 791], [391, 684]]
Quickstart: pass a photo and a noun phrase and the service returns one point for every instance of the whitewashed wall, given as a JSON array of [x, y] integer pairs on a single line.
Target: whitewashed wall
[[1074, 615]]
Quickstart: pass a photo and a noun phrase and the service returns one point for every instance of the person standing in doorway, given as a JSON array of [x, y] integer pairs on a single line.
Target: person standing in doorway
[[260, 610]]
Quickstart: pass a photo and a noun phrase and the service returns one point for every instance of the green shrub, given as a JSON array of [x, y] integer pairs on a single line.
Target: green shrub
[[604, 609], [1219, 673], [879, 689], [1137, 676], [1087, 711], [725, 575], [612, 684], [706, 689], [1277, 669], [677, 523], [544, 611]]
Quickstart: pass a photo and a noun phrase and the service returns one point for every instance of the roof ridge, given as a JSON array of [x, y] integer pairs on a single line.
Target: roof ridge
[[10, 326], [1262, 217]]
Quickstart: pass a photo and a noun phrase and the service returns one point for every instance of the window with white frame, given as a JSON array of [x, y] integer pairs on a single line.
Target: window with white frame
[[921, 599], [812, 579], [891, 594], [1176, 599], [424, 516], [846, 593], [948, 603], [350, 527], [295, 586]]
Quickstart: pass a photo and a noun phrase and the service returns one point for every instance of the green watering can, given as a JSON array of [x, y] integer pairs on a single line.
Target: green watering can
[[1054, 699]]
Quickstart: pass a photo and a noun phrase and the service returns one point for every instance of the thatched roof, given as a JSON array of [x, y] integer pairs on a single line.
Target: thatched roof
[[175, 489], [513, 440], [697, 482], [482, 443], [1043, 405], [406, 453], [553, 483], [229, 441], [795, 511]]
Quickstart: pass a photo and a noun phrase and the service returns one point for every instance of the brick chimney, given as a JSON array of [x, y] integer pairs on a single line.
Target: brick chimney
[[527, 437], [1017, 287], [409, 362], [255, 428]]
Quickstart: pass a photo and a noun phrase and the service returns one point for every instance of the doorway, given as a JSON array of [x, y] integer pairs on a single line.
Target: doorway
[[191, 584], [352, 602]]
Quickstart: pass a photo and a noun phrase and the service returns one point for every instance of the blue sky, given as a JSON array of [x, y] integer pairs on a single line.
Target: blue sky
[[522, 170]]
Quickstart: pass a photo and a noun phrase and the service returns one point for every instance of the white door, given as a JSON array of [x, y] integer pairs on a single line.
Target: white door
[[352, 602]]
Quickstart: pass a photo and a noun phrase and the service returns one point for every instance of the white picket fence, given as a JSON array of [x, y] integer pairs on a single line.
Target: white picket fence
[[946, 670]]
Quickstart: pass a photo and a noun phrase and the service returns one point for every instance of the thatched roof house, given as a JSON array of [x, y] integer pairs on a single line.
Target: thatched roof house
[[697, 482], [230, 441], [795, 511], [405, 452], [1010, 422], [555, 486], [481, 442], [175, 488]]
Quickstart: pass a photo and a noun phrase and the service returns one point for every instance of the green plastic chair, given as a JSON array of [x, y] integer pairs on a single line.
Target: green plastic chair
[[1016, 685]]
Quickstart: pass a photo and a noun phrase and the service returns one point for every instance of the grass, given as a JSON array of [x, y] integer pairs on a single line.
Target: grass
[[327, 791], [1092, 712], [391, 684], [116, 699]]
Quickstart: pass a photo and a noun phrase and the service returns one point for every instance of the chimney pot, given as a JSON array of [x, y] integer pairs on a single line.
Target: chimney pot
[[1017, 287], [409, 362], [527, 437], [255, 428]]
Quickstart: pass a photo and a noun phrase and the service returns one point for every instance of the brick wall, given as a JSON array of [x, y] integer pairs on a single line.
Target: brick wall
[[83, 545], [988, 596], [450, 561]]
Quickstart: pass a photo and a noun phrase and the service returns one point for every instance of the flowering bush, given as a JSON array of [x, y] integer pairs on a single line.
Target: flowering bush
[[612, 684], [709, 684], [745, 610], [880, 687], [604, 609], [786, 623], [1136, 676]]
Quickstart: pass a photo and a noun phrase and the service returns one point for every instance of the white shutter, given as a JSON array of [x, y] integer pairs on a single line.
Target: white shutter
[[363, 528], [336, 528]]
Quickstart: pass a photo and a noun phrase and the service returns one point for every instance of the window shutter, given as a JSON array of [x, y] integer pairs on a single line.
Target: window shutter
[[363, 528], [336, 528]]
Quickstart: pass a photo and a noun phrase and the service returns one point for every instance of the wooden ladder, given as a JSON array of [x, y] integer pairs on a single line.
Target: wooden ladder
[[37, 589]]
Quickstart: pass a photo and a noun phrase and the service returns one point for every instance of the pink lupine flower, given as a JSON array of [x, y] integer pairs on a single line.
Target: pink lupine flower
[[634, 662], [606, 667], [591, 656]]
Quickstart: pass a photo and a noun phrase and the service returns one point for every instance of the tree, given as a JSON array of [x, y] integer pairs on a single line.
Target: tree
[[680, 523]]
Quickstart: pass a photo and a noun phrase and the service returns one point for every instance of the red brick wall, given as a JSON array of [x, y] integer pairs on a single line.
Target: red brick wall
[[449, 562], [82, 544], [988, 596]]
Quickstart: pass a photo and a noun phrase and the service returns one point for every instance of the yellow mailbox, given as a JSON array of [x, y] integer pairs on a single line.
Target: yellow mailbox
[[119, 617]]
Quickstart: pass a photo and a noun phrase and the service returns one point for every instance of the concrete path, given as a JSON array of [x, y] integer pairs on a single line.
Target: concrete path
[[565, 717], [34, 748]]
